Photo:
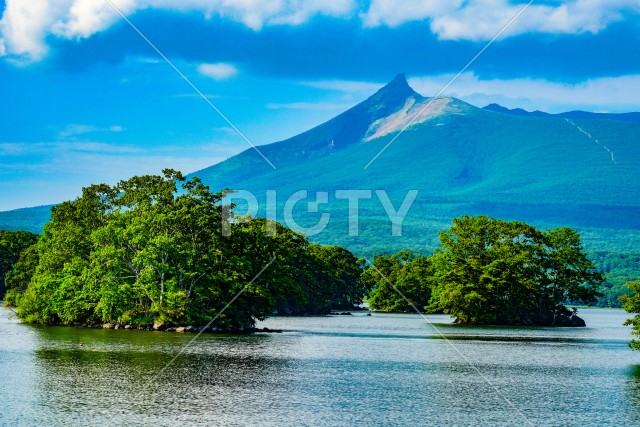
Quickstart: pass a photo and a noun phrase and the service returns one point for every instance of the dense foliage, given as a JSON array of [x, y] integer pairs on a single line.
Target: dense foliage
[[491, 271], [12, 244], [411, 276], [20, 275], [618, 268], [632, 305], [494, 271], [616, 255], [143, 252]]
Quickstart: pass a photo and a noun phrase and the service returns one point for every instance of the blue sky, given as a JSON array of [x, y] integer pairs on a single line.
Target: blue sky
[[86, 100]]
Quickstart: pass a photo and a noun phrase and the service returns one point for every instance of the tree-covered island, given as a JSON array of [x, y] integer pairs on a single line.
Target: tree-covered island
[[142, 253], [491, 271]]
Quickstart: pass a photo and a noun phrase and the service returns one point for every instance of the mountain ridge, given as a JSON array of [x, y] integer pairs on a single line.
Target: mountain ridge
[[463, 160], [633, 117]]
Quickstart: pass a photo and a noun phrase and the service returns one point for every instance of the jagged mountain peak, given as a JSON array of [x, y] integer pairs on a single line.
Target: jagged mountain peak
[[393, 107], [354, 125], [396, 87], [392, 96], [397, 106]]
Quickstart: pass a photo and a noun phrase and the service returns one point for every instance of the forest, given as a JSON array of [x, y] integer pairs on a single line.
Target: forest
[[167, 250], [142, 252]]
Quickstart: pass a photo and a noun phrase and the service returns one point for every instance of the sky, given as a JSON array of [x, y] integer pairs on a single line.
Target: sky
[[85, 98]]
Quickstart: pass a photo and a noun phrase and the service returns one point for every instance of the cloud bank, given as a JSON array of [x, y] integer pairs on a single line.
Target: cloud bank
[[617, 93], [483, 19], [26, 24]]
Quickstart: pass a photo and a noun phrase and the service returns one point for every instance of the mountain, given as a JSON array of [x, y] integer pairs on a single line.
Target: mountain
[[577, 169], [625, 117], [29, 219]]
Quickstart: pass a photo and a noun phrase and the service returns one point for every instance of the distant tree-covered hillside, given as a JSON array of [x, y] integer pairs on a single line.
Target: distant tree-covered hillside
[[618, 269], [12, 244]]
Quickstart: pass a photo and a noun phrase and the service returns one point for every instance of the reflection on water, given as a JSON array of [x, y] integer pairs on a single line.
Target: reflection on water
[[340, 370], [632, 388]]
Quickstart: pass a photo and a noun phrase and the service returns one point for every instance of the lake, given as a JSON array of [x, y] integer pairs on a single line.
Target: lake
[[384, 369]]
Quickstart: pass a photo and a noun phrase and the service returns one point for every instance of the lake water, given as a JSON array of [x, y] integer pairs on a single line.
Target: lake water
[[384, 369]]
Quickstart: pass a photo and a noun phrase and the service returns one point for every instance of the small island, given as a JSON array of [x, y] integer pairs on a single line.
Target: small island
[[490, 271]]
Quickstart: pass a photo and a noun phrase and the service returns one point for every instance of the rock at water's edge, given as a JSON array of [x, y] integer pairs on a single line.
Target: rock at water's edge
[[577, 321]]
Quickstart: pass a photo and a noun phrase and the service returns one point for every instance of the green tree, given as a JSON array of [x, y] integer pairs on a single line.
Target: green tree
[[619, 268], [568, 274], [495, 271], [129, 253], [338, 272], [410, 274], [12, 244], [18, 279], [631, 303]]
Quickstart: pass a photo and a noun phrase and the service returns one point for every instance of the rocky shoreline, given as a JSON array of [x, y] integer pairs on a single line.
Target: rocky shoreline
[[163, 327]]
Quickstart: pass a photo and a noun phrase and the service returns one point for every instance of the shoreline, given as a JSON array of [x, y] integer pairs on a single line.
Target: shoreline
[[157, 327]]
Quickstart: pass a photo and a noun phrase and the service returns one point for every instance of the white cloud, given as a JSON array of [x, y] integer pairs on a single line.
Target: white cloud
[[393, 13], [219, 71], [25, 24], [53, 149], [482, 19], [84, 18], [23, 27], [609, 93], [75, 129], [148, 60]]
